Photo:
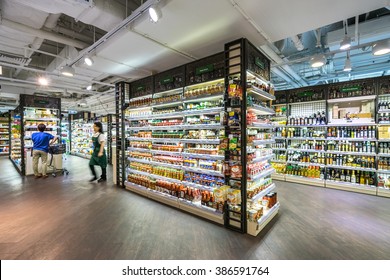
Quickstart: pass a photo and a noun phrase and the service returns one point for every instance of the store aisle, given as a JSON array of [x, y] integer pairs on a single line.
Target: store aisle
[[69, 218]]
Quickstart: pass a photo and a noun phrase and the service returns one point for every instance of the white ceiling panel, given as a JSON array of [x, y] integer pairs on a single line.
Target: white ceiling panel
[[281, 19], [23, 14], [199, 28]]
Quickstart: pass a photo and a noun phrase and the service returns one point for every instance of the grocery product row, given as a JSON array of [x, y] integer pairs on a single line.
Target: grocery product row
[[4, 134]]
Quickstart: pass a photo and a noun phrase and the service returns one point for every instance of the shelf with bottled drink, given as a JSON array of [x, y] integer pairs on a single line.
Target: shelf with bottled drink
[[363, 89], [4, 134], [383, 177], [81, 138], [351, 180]]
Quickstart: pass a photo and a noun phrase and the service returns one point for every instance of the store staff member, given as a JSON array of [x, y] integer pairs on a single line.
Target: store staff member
[[41, 141]]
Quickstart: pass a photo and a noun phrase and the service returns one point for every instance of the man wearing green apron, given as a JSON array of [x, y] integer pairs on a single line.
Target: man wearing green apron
[[99, 153]]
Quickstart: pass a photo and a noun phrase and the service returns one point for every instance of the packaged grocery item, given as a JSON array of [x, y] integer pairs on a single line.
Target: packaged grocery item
[[234, 196]]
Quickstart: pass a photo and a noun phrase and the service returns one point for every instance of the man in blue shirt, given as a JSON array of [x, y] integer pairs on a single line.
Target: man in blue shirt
[[41, 141]]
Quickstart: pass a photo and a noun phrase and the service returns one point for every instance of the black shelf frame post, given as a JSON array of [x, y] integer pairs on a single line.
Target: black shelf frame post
[[120, 107]]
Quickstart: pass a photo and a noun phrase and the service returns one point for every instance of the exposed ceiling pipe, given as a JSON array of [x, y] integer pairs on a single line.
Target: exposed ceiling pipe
[[43, 34], [73, 34], [298, 43], [357, 41]]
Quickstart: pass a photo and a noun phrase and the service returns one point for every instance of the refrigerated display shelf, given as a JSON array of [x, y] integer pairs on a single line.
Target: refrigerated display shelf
[[383, 155], [279, 138], [197, 186], [261, 125], [177, 127], [350, 99], [3, 133], [261, 109], [384, 111], [279, 161], [202, 211], [262, 174], [35, 126], [305, 180], [203, 171], [305, 150], [279, 176], [351, 153], [4, 139], [254, 228], [166, 104], [260, 93], [216, 110], [383, 171], [155, 163], [350, 139], [383, 140], [176, 140], [263, 158], [2, 145], [262, 142], [351, 168], [351, 124], [306, 163], [203, 156], [384, 123], [367, 189], [263, 193], [154, 176], [3, 153], [279, 149], [202, 141], [40, 119], [306, 138], [307, 125], [204, 97]]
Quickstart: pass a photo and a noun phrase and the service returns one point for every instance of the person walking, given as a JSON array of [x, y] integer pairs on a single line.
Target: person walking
[[41, 141], [99, 153]]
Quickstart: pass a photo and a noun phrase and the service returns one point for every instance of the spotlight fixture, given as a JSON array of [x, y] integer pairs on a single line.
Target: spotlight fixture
[[347, 66], [67, 71], [317, 61], [43, 81], [155, 13], [83, 102], [381, 48], [1, 70], [89, 87], [345, 43], [89, 61]]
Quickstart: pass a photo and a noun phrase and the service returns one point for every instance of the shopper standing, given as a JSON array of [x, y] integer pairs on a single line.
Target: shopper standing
[[41, 141], [99, 153]]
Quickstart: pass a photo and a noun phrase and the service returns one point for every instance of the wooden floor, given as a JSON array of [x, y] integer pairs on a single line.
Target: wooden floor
[[69, 218]]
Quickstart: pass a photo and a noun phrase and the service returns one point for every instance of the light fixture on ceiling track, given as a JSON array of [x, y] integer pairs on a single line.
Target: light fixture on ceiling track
[[317, 61], [88, 60], [347, 66], [1, 70], [346, 42], [155, 13], [67, 71], [89, 87], [83, 102], [381, 48]]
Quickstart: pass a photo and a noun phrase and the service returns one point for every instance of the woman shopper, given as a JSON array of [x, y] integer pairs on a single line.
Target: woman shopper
[[99, 153], [41, 141]]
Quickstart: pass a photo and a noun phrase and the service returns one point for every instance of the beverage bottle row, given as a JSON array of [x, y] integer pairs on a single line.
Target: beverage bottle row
[[384, 163], [306, 157], [280, 155], [314, 119], [308, 145], [305, 132], [350, 91], [306, 171], [352, 132], [353, 161], [295, 97], [278, 145], [383, 117], [345, 146], [384, 105], [351, 176], [384, 148]]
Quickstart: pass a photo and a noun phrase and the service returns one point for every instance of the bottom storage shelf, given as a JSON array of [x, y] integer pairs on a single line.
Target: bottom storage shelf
[[278, 176], [254, 228], [367, 189], [188, 206], [305, 180], [383, 192]]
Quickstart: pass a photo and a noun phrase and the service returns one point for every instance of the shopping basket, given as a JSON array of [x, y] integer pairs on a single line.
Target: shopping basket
[[57, 149]]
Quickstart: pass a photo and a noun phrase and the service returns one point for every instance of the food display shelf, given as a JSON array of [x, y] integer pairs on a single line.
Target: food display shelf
[[351, 153], [261, 109], [305, 150], [155, 163], [203, 171], [305, 180], [263, 193], [254, 228], [203, 156], [350, 139], [306, 163], [351, 168], [367, 189], [262, 174]]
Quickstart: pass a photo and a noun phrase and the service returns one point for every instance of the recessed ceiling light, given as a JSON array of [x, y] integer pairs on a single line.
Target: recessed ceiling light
[[89, 87]]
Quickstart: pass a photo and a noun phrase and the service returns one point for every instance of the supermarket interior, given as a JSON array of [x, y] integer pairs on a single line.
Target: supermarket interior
[[228, 132]]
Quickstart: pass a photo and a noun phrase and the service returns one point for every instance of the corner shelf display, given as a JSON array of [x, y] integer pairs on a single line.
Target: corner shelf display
[[4, 134], [16, 139], [175, 135], [81, 138], [252, 201]]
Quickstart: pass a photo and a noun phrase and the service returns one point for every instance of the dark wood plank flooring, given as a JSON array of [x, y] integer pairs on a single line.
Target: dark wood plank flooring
[[69, 218]]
